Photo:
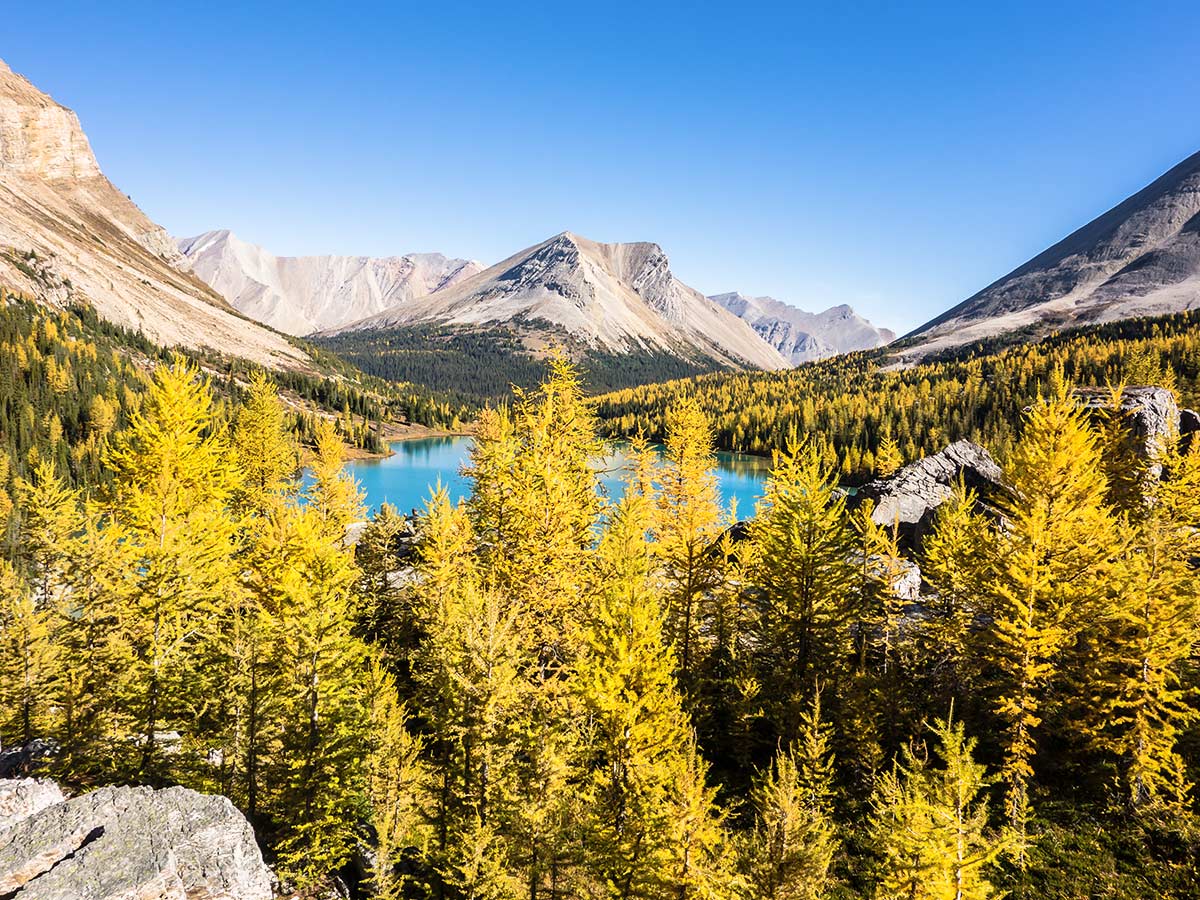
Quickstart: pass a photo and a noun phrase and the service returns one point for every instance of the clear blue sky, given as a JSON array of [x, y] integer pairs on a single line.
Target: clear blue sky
[[893, 158]]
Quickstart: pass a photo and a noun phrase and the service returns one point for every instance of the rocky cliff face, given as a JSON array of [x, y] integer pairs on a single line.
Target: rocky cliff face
[[803, 336], [613, 297], [68, 235], [1140, 258], [118, 843], [39, 138], [302, 294]]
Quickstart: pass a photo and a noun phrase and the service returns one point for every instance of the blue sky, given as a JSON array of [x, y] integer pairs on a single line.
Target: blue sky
[[895, 157]]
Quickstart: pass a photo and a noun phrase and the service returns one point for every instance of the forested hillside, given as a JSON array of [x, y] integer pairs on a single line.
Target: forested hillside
[[481, 365], [68, 379], [551, 695], [857, 400]]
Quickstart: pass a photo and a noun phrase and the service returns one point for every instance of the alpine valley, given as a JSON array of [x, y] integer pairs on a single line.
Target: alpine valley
[[951, 653]]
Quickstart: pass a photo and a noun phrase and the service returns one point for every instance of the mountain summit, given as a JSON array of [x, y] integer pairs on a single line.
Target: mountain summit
[[803, 336], [302, 294], [68, 235], [1141, 258], [615, 298]]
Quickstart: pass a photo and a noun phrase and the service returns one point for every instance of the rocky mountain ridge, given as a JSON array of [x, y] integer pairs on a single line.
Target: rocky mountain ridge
[[302, 294], [618, 297], [802, 336], [1141, 258]]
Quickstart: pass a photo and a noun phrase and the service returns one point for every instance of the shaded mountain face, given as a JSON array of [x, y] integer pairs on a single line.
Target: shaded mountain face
[[302, 294], [1140, 258], [68, 235], [803, 336], [613, 298]]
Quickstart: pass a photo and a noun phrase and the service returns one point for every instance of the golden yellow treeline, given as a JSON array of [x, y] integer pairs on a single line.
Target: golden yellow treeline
[[553, 694], [858, 400]]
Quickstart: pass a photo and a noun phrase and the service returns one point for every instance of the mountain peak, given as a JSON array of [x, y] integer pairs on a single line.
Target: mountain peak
[[1140, 258], [615, 298], [94, 245], [302, 294], [803, 336]]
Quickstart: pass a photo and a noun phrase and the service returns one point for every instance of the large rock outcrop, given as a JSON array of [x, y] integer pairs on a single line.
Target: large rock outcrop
[[1151, 413], [910, 497], [128, 843]]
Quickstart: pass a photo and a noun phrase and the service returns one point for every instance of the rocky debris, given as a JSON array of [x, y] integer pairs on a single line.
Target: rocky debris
[[122, 843], [904, 574], [20, 798], [910, 497], [25, 758]]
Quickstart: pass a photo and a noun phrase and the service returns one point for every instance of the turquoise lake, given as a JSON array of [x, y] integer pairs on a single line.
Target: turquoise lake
[[406, 478]]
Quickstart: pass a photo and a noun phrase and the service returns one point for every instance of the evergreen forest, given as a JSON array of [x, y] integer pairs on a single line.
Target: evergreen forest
[[552, 694]]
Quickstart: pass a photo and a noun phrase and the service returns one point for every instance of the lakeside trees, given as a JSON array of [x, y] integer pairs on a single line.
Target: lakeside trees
[[569, 698]]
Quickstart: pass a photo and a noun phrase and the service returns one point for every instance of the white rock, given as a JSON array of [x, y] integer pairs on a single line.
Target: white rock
[[20, 798], [119, 843]]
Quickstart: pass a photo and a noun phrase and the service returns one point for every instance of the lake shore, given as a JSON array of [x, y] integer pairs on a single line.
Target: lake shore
[[396, 432]]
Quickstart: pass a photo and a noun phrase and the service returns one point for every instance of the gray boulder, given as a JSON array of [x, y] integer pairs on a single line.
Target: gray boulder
[[909, 498], [1151, 413], [133, 842]]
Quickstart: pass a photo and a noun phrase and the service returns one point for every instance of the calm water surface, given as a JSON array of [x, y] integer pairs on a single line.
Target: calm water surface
[[406, 478]]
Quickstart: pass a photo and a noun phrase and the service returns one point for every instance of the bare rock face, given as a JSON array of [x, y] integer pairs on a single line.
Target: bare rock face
[[910, 497], [68, 235], [20, 798], [1152, 414], [38, 137], [119, 843]]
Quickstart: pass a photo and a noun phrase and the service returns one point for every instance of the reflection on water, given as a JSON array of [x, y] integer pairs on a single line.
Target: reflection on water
[[406, 478]]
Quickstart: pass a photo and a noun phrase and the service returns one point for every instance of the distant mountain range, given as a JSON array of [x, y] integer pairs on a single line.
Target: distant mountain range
[[302, 294], [67, 234], [803, 336], [1141, 258], [616, 298]]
